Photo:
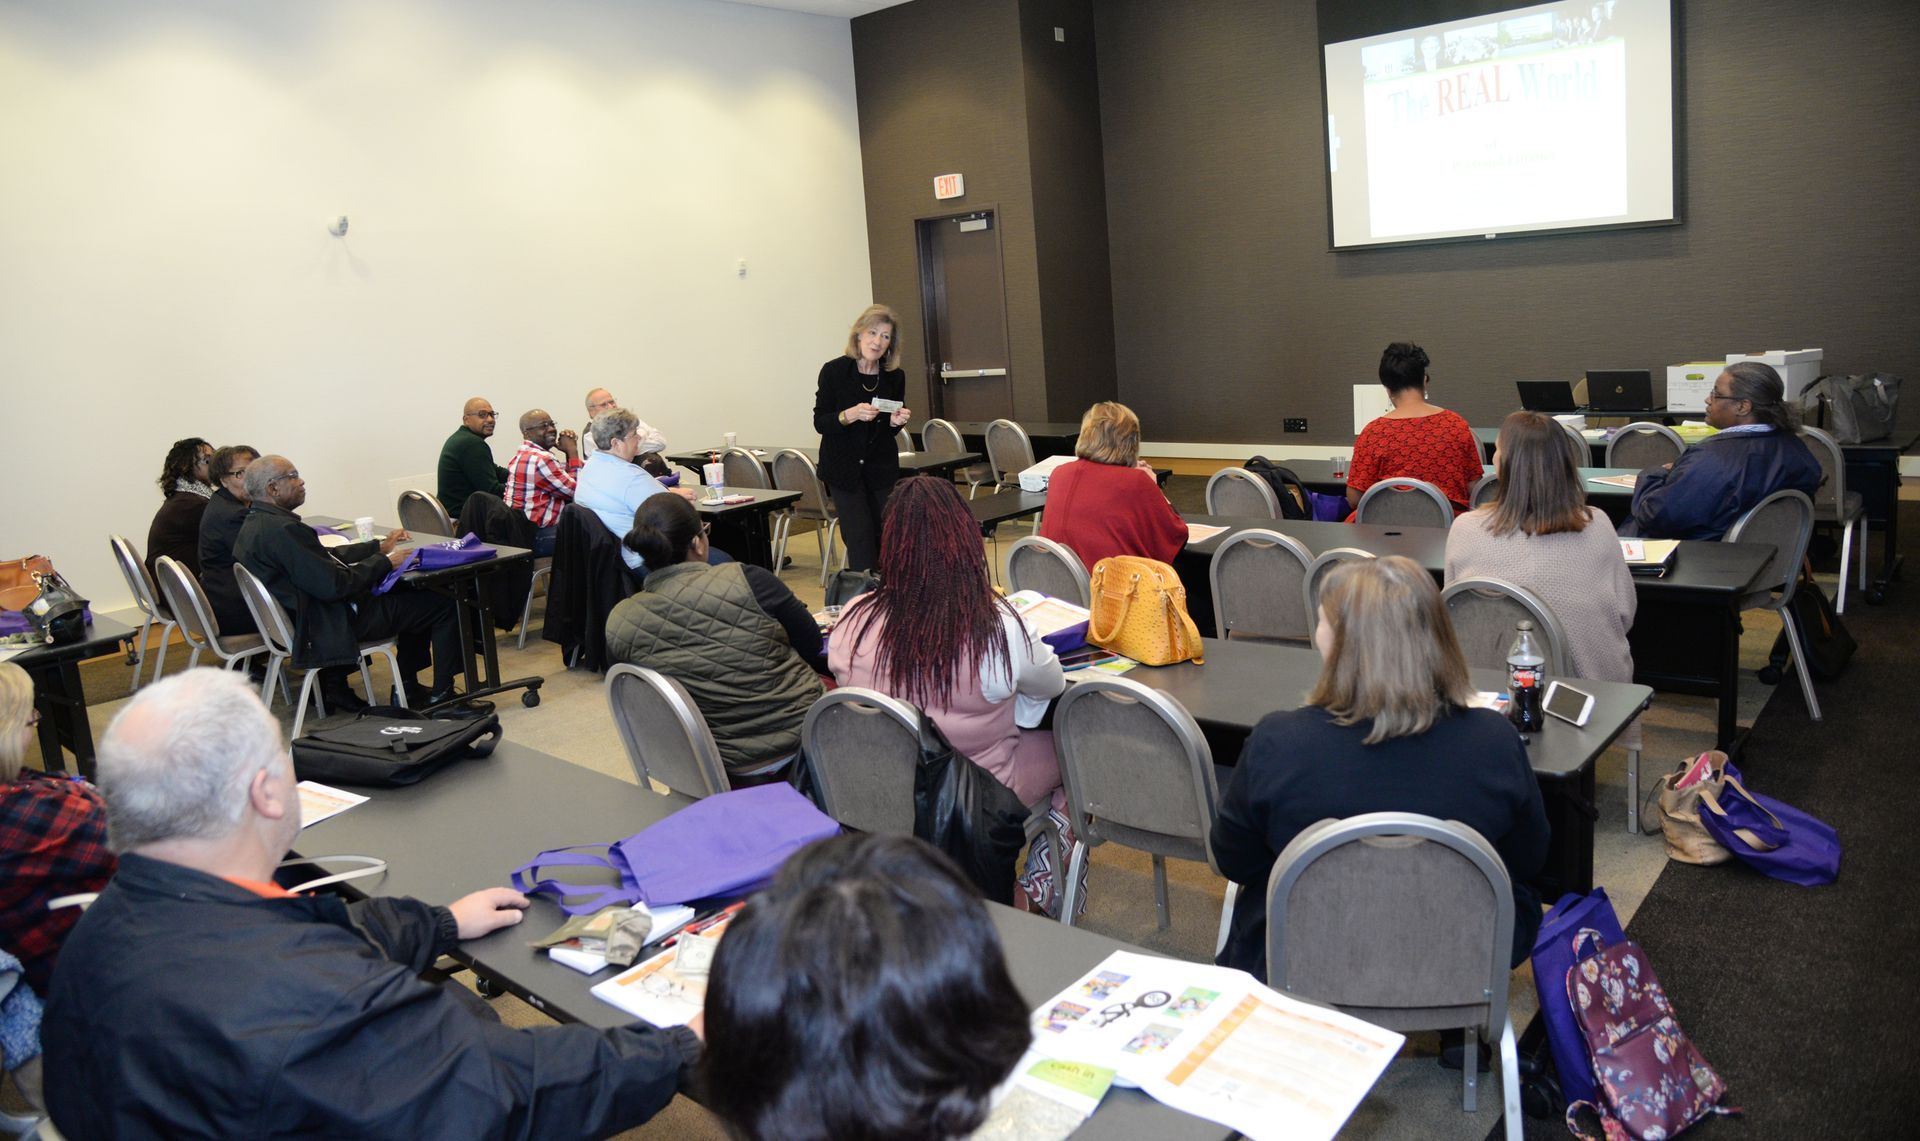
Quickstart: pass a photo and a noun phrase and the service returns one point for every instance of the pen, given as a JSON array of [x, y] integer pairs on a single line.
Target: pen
[[700, 923]]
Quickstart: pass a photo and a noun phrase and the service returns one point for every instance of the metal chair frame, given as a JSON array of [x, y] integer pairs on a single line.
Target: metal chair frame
[[276, 630], [1060, 552], [1833, 462], [195, 615], [1002, 435], [422, 512], [1484, 490], [1280, 546], [1240, 475], [1786, 568], [710, 771], [1645, 428], [746, 467], [941, 438], [1397, 486], [786, 460], [1318, 569], [146, 595]]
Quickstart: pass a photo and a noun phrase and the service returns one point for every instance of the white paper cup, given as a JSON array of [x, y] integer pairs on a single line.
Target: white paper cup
[[732, 438], [363, 527], [713, 474]]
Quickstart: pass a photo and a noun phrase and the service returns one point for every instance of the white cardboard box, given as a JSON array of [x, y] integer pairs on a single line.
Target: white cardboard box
[[1688, 385], [1798, 367], [1036, 477]]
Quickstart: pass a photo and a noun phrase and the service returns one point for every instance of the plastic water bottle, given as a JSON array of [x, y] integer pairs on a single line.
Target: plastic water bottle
[[1526, 675]]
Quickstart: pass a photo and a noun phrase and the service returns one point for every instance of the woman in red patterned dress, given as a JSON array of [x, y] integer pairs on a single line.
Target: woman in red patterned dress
[[1416, 439]]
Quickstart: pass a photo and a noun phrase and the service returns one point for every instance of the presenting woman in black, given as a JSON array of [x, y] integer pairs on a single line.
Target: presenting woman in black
[[859, 460]]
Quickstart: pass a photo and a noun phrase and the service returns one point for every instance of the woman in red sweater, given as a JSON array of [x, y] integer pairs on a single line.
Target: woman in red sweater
[[1416, 439], [1107, 501]]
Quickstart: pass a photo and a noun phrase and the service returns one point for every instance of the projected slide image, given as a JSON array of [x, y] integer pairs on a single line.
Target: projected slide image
[[1526, 119]]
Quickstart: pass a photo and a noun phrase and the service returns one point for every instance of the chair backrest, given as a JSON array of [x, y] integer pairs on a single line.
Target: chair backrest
[[1137, 769], [189, 605], [269, 617], [941, 438], [1317, 573], [1259, 579], [1237, 491], [1008, 450], [145, 594], [1398, 918], [422, 513], [863, 747], [1581, 448], [744, 469], [1403, 502], [1036, 563], [665, 736], [1832, 492], [793, 471], [1644, 445], [1487, 611], [902, 441], [1484, 490], [1783, 520]]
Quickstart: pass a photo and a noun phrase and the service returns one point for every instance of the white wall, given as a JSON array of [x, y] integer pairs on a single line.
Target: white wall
[[544, 197]]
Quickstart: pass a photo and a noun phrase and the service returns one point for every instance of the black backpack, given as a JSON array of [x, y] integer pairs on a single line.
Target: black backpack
[[1294, 503], [388, 746]]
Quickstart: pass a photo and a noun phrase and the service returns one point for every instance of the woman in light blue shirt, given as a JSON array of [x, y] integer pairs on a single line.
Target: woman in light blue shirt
[[613, 487]]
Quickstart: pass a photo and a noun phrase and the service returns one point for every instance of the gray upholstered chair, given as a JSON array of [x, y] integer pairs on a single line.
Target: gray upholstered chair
[[542, 572], [663, 732], [1485, 612], [1580, 446], [1009, 452], [1317, 573], [903, 442], [744, 469], [1484, 490], [793, 471], [1259, 586], [1834, 504], [1644, 445], [941, 438], [1784, 521], [422, 513], [863, 748], [147, 597], [1404, 502], [1404, 921], [197, 623], [276, 629], [1138, 772], [1237, 491], [1034, 563]]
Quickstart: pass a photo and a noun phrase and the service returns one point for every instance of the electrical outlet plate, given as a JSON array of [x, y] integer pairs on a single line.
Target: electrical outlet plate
[[1295, 424]]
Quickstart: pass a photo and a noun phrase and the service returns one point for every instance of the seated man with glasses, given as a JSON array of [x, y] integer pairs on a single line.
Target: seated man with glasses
[[330, 594], [1755, 453], [466, 462], [538, 485], [652, 443]]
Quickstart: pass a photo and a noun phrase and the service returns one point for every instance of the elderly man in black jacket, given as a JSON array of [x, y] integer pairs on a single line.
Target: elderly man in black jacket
[[330, 594], [196, 998]]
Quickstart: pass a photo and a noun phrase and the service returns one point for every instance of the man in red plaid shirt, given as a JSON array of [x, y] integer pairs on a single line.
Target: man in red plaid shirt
[[538, 485]]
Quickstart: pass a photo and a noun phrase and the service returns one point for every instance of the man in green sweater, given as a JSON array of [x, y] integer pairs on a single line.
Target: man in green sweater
[[466, 462]]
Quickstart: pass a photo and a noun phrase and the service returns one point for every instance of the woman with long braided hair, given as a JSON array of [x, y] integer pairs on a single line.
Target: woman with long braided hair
[[935, 634]]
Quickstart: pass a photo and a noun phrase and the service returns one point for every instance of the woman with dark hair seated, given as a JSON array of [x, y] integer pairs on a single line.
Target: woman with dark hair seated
[[1416, 440], [1756, 452], [1539, 533], [744, 647], [1385, 729], [184, 491], [1107, 502], [863, 995]]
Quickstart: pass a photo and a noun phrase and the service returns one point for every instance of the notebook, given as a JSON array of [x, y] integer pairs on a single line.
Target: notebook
[[1649, 556], [1546, 395]]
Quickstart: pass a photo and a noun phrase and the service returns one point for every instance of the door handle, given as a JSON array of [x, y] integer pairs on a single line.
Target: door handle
[[956, 374]]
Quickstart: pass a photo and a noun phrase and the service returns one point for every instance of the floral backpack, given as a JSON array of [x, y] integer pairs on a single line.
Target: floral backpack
[[1653, 1080]]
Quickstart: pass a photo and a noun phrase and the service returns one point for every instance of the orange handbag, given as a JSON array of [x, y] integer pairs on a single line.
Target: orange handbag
[[1140, 612], [17, 588]]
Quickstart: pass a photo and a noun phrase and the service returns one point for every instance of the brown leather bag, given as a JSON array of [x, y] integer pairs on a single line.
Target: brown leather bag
[[1687, 839], [17, 588]]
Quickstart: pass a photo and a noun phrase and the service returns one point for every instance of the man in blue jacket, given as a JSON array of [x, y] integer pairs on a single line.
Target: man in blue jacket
[[1755, 453], [197, 999]]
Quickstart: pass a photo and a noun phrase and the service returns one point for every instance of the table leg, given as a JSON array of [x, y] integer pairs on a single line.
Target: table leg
[[64, 725], [1570, 814], [1729, 681]]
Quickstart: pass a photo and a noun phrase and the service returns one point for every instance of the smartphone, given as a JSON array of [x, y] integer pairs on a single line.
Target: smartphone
[[1568, 704]]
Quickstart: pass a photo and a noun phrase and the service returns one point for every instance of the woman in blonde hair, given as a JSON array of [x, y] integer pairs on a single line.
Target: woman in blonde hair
[[1385, 729], [859, 460], [1107, 501], [53, 840]]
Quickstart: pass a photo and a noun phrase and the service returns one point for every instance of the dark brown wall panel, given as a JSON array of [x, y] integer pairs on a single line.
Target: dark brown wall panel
[[1802, 152]]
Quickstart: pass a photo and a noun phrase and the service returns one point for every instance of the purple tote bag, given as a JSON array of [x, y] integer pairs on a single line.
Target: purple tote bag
[[1775, 838], [724, 845], [1554, 952]]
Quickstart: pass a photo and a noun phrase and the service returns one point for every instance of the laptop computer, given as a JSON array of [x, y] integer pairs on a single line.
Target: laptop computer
[[1546, 395], [1620, 389]]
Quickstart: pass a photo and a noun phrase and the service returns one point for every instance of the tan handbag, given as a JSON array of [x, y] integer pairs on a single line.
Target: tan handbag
[[1140, 612], [17, 588], [1687, 839]]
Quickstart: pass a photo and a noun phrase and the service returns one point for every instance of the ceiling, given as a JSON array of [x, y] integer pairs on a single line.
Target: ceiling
[[847, 8]]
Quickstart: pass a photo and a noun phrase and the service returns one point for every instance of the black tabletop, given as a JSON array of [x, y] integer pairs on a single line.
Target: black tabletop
[[762, 499], [503, 553], [1318, 475], [991, 510], [910, 462], [103, 636], [1705, 567], [1243, 681], [470, 825]]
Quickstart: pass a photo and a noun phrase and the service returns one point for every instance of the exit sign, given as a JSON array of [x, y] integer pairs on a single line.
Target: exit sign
[[949, 186]]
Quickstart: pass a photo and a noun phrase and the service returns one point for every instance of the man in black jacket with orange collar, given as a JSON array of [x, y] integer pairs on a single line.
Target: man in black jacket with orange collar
[[195, 998], [330, 593]]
